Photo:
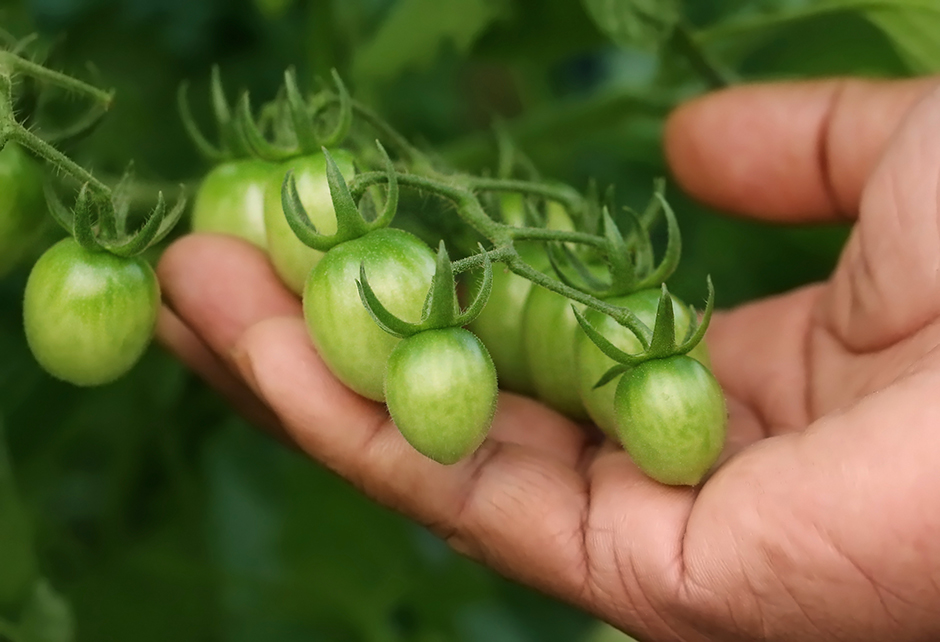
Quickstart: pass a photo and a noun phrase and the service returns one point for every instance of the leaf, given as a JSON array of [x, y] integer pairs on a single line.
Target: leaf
[[416, 30], [915, 33], [645, 24], [47, 617]]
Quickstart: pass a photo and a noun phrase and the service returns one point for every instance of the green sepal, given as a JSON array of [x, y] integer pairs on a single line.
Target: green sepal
[[441, 307], [160, 222], [345, 120], [483, 293], [701, 326], [349, 222], [623, 276], [254, 137], [384, 219], [605, 346], [592, 210], [663, 343], [611, 374], [559, 253], [640, 245], [297, 107], [207, 149], [60, 213], [379, 313], [84, 218], [673, 248]]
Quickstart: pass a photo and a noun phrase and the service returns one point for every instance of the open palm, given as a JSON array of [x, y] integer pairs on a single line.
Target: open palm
[[821, 524]]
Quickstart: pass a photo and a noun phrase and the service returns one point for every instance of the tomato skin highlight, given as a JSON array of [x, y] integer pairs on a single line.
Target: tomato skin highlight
[[89, 316], [399, 267], [23, 215], [592, 364], [230, 200], [441, 391], [672, 419], [292, 259]]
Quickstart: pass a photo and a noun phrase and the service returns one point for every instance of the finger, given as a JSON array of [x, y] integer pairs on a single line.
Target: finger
[[176, 337], [799, 151], [221, 286], [759, 354]]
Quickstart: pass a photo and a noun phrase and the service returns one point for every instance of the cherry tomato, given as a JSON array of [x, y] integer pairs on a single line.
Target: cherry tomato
[[592, 363], [230, 200], [291, 258], [89, 316], [441, 392], [399, 267], [672, 419], [23, 216]]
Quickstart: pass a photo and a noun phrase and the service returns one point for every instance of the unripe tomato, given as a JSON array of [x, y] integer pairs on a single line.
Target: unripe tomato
[[291, 258], [89, 316], [230, 200], [550, 327], [671, 419], [399, 267], [22, 205], [592, 363], [441, 391]]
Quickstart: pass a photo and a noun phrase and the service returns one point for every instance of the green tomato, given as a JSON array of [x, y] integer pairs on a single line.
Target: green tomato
[[440, 387], [89, 316], [592, 363], [230, 200], [399, 267], [501, 325], [292, 259], [22, 206], [549, 333], [671, 419]]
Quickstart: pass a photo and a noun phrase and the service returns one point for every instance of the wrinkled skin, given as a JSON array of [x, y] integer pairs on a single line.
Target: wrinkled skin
[[822, 523]]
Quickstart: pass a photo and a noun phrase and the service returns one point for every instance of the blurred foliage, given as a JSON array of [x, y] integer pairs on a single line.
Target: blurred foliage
[[158, 514]]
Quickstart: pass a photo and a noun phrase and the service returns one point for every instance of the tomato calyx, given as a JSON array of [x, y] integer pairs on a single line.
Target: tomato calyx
[[441, 308], [295, 122], [350, 223], [100, 222], [630, 261], [663, 344]]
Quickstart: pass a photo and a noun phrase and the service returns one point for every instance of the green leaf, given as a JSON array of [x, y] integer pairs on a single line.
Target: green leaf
[[914, 32], [415, 31], [645, 24]]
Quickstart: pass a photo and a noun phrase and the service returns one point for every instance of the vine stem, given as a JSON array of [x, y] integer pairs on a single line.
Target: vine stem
[[11, 63], [503, 236], [561, 193]]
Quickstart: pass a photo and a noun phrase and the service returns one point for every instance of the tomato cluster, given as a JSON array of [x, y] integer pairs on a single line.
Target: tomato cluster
[[565, 316]]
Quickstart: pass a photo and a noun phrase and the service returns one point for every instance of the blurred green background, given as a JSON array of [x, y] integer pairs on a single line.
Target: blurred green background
[[155, 512]]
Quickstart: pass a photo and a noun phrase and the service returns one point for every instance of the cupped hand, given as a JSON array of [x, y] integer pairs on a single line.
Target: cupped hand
[[822, 524]]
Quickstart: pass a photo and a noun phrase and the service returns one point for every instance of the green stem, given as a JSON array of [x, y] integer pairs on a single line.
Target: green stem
[[502, 236], [10, 62], [623, 316], [567, 196], [685, 44], [558, 236], [54, 157], [499, 255]]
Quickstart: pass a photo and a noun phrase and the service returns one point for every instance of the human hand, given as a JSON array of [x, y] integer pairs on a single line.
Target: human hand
[[823, 522]]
